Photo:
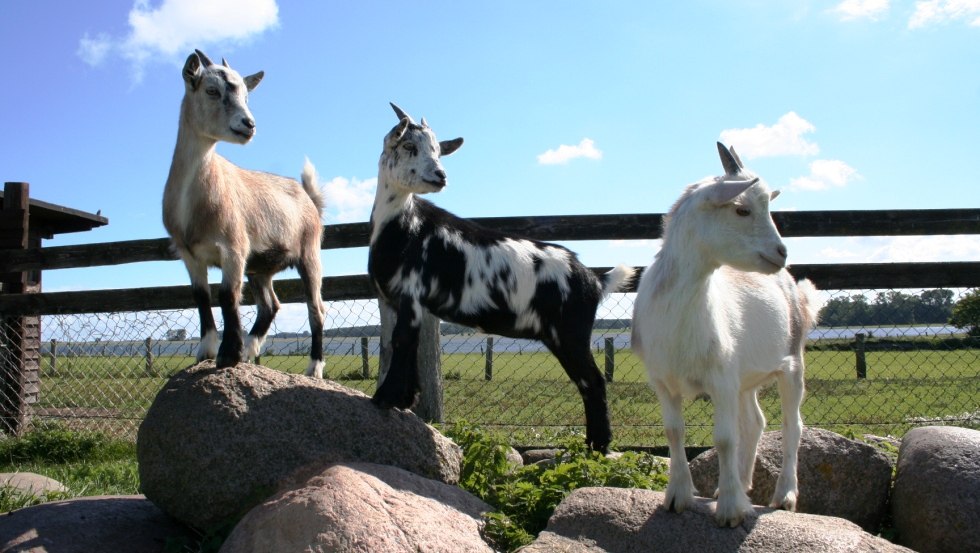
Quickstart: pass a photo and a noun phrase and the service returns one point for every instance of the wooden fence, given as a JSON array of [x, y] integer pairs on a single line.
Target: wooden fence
[[552, 228]]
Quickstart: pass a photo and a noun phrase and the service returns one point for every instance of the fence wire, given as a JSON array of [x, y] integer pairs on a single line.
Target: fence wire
[[881, 362]]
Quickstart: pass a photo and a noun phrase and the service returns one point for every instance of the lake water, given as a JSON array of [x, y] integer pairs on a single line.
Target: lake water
[[457, 343]]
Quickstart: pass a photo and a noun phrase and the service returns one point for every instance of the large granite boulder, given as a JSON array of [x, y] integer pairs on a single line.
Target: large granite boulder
[[936, 499], [216, 442], [108, 524], [623, 520], [363, 508], [838, 476]]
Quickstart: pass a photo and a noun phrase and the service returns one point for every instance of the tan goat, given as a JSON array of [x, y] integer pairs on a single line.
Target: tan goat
[[242, 221]]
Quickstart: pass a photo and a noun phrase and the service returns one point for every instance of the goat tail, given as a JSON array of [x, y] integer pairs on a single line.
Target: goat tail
[[810, 302], [616, 279], [311, 186]]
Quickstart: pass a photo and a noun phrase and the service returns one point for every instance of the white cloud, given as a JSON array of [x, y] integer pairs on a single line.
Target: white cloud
[[176, 27], [850, 10], [783, 138], [565, 153], [825, 174], [940, 11], [94, 50], [348, 200], [924, 248]]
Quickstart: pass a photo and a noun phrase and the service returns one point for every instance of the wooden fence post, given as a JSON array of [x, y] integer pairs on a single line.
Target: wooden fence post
[[54, 357], [14, 355], [859, 360], [488, 370], [149, 357], [430, 404], [365, 366], [610, 359]]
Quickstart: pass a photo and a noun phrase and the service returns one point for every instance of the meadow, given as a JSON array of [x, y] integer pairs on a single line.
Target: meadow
[[530, 400]]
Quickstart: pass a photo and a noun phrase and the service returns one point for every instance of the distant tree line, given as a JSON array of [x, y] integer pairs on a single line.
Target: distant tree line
[[887, 308]]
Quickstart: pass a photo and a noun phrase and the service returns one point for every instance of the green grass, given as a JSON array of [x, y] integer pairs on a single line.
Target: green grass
[[86, 463], [531, 400]]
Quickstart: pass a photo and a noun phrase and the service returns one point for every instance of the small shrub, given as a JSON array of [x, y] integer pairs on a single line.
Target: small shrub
[[526, 497]]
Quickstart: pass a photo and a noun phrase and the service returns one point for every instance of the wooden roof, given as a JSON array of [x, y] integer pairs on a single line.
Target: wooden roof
[[49, 219]]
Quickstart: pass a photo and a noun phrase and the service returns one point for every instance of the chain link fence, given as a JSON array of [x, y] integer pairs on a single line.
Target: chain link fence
[[881, 362]]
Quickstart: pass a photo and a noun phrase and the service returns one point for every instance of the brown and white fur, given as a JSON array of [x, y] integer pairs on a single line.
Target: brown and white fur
[[242, 221], [718, 313]]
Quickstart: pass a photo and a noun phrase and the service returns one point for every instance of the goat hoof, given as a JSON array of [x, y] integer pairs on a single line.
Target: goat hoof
[[225, 361], [384, 402]]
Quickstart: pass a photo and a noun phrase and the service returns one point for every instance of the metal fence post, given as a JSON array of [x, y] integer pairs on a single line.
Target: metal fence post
[[610, 359], [488, 369], [859, 360]]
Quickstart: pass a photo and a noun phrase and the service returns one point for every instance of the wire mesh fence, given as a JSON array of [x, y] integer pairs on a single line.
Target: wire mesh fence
[[881, 362]]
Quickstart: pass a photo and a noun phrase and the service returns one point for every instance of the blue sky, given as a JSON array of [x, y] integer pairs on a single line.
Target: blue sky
[[566, 107]]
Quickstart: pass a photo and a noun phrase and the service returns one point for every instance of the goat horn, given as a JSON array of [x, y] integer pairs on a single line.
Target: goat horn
[[205, 60], [225, 63], [728, 161], [737, 159], [399, 112], [423, 123]]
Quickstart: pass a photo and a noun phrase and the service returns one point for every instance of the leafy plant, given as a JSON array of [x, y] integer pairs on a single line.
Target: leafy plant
[[526, 497]]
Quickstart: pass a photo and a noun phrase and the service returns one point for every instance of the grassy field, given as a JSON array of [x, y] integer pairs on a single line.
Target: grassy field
[[531, 400]]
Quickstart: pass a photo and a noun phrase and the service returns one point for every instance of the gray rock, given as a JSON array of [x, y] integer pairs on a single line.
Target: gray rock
[[362, 507], [107, 524], [936, 499], [837, 476], [216, 442], [532, 456], [622, 520], [28, 483]]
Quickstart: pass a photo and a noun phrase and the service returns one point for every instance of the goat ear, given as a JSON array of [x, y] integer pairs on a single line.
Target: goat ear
[[192, 70], [728, 160], [224, 62], [423, 123], [725, 191], [773, 195], [253, 81], [401, 113], [447, 147], [206, 61]]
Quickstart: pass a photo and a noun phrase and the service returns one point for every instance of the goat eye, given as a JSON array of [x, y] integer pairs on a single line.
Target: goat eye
[[409, 146], [212, 92], [742, 211]]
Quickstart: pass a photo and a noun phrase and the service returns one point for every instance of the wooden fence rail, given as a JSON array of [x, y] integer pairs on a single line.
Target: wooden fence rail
[[550, 227], [791, 224]]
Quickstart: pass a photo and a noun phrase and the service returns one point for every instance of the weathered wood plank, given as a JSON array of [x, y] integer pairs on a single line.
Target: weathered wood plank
[[856, 276], [545, 227]]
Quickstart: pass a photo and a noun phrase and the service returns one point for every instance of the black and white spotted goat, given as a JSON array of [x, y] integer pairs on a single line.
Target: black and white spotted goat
[[425, 258]]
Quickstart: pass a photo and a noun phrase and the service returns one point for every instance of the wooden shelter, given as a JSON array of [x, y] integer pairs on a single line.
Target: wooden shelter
[[23, 224]]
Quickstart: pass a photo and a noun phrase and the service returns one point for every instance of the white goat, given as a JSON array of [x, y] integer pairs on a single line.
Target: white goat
[[718, 313], [220, 215]]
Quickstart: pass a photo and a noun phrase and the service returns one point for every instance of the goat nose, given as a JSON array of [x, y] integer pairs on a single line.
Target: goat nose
[[441, 174], [781, 250], [248, 122]]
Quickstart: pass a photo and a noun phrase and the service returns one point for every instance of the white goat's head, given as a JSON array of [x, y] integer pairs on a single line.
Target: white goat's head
[[410, 160], [729, 219], [216, 99]]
